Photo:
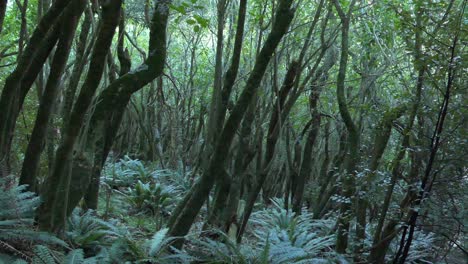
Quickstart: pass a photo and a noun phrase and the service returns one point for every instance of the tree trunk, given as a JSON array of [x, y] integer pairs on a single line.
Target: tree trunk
[[382, 135], [78, 67], [113, 100], [52, 212], [41, 126], [15, 89], [353, 135], [193, 205], [3, 6], [231, 75]]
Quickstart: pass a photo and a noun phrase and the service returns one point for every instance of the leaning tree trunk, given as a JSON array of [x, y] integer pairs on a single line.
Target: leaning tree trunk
[[221, 108], [78, 67], [29, 65], [184, 220], [52, 212], [113, 101], [38, 135]]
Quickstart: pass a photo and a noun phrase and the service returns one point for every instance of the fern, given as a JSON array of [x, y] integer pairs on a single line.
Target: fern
[[290, 238], [42, 255], [157, 242], [74, 257], [89, 232], [17, 234]]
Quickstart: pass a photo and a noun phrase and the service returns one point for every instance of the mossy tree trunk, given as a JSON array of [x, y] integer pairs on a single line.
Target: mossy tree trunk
[[41, 125], [52, 212], [353, 134], [381, 137], [20, 80], [78, 67], [184, 220], [3, 6], [223, 183], [114, 99]]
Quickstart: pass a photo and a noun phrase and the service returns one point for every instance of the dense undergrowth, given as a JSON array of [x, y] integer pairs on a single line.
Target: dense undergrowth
[[129, 227]]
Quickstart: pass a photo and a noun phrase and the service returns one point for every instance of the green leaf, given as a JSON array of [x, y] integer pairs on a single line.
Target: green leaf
[[191, 21], [75, 257], [202, 21], [157, 241]]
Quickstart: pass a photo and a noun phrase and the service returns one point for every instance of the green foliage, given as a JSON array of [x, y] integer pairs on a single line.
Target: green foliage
[[74, 257], [147, 191], [277, 236], [17, 233], [126, 172], [86, 231], [42, 255], [149, 197], [293, 238], [192, 11]]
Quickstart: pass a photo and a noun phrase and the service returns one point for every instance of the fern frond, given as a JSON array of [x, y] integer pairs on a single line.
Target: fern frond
[[42, 255], [74, 257], [157, 241]]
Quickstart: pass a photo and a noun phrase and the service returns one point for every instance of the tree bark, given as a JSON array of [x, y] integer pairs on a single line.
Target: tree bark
[[184, 220], [229, 79], [38, 135], [52, 212], [15, 87], [3, 5], [353, 134], [78, 67], [114, 99]]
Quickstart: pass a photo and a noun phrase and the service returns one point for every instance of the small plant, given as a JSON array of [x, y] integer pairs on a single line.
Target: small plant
[[86, 231], [154, 250], [17, 234], [293, 239], [125, 173], [150, 198]]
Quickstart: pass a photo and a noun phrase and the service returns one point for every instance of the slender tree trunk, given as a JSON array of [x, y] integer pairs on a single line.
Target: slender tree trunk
[[3, 6], [213, 126], [224, 181], [16, 85], [23, 27], [244, 156], [353, 134], [379, 249], [114, 99], [274, 127], [184, 220], [306, 164], [41, 126], [428, 179], [52, 212], [78, 67], [382, 135]]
